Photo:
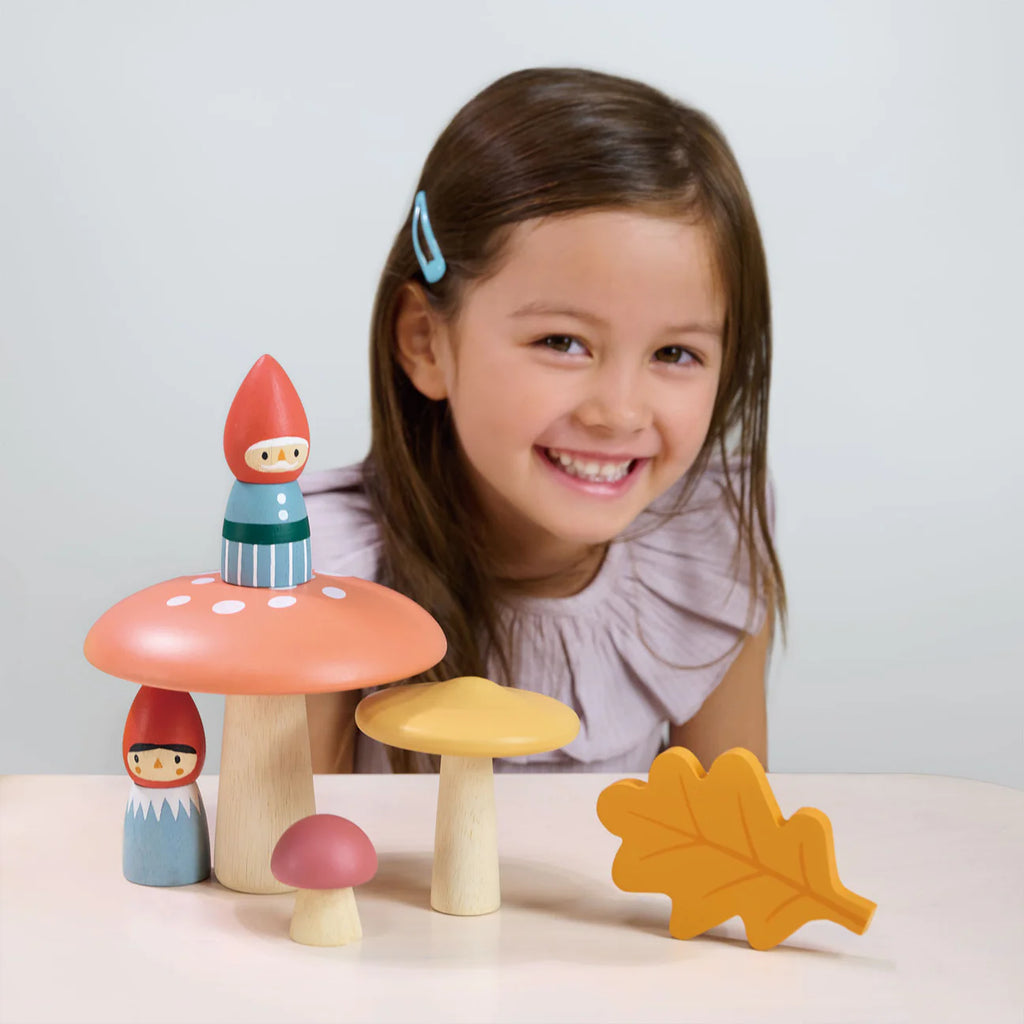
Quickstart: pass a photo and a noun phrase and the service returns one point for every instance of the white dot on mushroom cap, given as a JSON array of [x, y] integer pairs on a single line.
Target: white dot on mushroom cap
[[281, 602], [228, 607], [334, 592], [282, 498], [180, 599], [282, 515], [203, 579]]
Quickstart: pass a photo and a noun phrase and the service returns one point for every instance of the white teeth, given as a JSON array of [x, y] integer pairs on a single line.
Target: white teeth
[[596, 472]]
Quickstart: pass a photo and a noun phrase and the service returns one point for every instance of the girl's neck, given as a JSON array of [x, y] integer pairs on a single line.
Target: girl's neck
[[540, 576]]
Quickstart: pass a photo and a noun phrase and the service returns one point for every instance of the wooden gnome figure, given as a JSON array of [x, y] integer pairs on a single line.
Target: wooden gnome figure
[[166, 834], [265, 540]]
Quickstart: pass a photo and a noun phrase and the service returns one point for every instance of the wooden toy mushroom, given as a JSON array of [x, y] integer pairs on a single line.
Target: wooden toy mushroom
[[264, 631], [324, 857], [264, 649], [468, 721]]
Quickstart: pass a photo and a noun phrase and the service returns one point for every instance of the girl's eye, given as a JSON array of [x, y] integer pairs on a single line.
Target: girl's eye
[[177, 758], [675, 354], [561, 343]]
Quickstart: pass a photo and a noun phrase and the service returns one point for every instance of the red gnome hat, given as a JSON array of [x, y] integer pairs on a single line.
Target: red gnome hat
[[164, 718], [266, 407]]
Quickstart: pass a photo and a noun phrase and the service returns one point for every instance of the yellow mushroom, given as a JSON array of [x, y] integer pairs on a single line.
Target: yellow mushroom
[[468, 721]]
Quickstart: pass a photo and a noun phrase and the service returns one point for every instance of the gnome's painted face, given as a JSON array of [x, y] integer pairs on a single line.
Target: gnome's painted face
[[162, 764], [266, 434], [164, 743], [278, 455]]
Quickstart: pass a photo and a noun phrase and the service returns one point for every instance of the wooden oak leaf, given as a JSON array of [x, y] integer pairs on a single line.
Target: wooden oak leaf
[[717, 845]]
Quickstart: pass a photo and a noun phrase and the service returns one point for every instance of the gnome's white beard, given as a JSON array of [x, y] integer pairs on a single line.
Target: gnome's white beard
[[178, 798]]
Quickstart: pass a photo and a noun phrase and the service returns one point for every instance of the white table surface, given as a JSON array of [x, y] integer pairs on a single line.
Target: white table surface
[[943, 858]]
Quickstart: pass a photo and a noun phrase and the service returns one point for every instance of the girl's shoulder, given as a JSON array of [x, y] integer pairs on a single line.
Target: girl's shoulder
[[344, 536]]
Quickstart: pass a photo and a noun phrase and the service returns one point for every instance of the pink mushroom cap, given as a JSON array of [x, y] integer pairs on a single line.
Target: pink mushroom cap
[[324, 851]]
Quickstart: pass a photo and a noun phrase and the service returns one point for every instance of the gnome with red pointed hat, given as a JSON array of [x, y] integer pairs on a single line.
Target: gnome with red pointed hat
[[265, 540], [166, 834]]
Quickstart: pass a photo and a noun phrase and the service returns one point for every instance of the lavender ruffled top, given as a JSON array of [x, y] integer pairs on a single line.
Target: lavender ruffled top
[[642, 646]]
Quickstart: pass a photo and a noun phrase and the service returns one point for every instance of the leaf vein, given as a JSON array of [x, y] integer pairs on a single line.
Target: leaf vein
[[689, 808], [728, 885], [804, 890], [667, 849], [782, 906], [663, 824], [746, 827]]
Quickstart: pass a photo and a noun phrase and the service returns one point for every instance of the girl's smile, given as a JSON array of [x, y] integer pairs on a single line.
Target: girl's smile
[[594, 472], [581, 377]]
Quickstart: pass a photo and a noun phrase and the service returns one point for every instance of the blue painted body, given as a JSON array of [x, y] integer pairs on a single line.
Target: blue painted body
[[161, 847], [277, 565]]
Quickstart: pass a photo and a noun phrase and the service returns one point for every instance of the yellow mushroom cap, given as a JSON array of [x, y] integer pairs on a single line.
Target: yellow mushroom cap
[[467, 717]]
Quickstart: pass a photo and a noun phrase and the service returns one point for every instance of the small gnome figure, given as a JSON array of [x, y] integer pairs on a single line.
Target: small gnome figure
[[166, 834], [265, 540]]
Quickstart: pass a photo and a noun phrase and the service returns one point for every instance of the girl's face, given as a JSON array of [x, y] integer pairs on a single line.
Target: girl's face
[[581, 377]]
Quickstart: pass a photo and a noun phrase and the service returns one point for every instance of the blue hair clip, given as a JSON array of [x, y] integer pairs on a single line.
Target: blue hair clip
[[433, 268]]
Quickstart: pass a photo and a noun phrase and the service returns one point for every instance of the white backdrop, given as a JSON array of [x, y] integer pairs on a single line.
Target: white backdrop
[[184, 187]]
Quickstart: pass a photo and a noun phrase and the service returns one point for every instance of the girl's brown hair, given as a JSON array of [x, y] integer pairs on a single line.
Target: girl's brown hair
[[538, 143]]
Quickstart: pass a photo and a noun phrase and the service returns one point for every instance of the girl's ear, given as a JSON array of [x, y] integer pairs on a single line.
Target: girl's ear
[[421, 341]]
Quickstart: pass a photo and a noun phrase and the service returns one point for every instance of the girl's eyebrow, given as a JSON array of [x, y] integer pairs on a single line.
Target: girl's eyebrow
[[545, 309]]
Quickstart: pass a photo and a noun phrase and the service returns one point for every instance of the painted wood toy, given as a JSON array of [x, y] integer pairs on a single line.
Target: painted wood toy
[[166, 834], [264, 650], [263, 647], [468, 721], [324, 857], [265, 536], [717, 844]]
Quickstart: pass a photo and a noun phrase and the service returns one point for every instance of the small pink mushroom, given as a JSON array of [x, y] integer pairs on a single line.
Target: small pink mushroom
[[324, 856]]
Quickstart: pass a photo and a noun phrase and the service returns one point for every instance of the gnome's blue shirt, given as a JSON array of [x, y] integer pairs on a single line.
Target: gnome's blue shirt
[[266, 536], [278, 511], [166, 836]]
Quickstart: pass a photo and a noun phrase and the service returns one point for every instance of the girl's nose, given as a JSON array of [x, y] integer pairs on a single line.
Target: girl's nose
[[616, 403]]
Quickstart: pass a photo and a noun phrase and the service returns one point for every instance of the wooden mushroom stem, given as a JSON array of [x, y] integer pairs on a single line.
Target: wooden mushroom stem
[[465, 875], [325, 917], [266, 784]]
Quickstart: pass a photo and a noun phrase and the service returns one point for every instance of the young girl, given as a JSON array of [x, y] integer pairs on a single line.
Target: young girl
[[570, 371]]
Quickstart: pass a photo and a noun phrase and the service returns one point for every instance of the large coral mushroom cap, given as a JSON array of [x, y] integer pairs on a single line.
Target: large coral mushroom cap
[[198, 633], [265, 406]]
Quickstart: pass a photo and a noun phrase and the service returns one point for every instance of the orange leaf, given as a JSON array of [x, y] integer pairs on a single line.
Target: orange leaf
[[716, 843]]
